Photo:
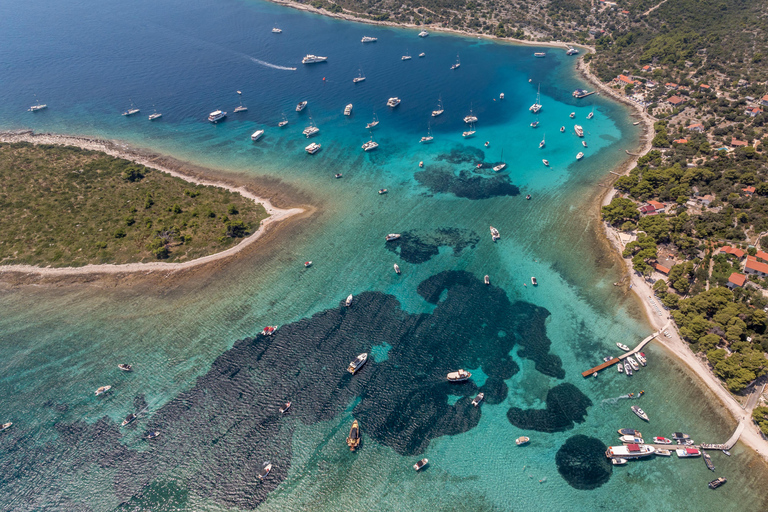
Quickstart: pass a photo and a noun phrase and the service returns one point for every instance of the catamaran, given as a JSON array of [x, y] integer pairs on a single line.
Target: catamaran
[[370, 145], [439, 110], [393, 102], [537, 104], [313, 148], [311, 129]]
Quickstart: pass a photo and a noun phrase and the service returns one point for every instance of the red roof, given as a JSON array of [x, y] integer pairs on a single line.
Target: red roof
[[692, 451], [761, 256], [633, 447], [660, 268], [737, 279], [733, 250], [737, 142], [646, 67], [625, 79], [657, 205], [670, 84], [753, 264], [676, 100], [704, 86], [765, 98], [749, 190], [680, 141], [697, 125]]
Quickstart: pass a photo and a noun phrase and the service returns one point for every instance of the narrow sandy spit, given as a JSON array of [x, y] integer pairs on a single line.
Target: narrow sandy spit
[[121, 151]]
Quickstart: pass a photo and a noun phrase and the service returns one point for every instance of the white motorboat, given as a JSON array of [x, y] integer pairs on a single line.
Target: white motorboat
[[406, 57], [620, 367], [661, 440], [397, 269], [579, 156], [357, 363], [283, 122], [632, 362], [584, 143], [479, 398], [629, 451], [348, 302], [534, 282], [501, 96], [440, 109], [429, 138], [284, 408], [383, 191], [216, 116], [458, 376], [628, 369], [312, 59], [257, 135], [535, 124], [495, 234], [269, 330], [631, 439], [458, 63], [688, 451], [572, 115], [300, 106], [591, 114], [622, 347], [311, 129], [640, 413], [562, 129], [663, 453], [125, 367], [393, 102], [641, 359], [155, 115], [487, 279], [543, 141], [618, 462], [152, 435], [572, 51], [6, 426], [348, 110], [128, 419], [276, 30], [240, 108], [422, 54], [102, 390], [367, 39], [265, 471], [545, 162], [423, 33], [579, 130], [420, 465], [520, 441], [131, 111], [392, 236], [540, 54], [37, 107], [313, 148]]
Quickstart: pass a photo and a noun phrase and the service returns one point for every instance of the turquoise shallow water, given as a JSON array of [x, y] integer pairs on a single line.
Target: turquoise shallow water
[[58, 344]]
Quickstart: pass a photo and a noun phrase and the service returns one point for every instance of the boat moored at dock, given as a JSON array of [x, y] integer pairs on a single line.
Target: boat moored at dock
[[630, 451], [688, 451], [661, 440], [629, 432], [631, 440], [618, 461], [622, 347]]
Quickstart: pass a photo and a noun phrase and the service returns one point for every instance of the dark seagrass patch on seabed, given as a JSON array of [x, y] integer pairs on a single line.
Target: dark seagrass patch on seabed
[[582, 462], [216, 436], [467, 184], [420, 246], [462, 155], [566, 405]]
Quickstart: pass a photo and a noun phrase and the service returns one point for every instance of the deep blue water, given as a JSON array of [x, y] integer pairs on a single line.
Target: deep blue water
[[212, 387]]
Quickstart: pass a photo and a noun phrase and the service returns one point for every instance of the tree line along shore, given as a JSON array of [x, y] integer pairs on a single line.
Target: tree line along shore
[[63, 206]]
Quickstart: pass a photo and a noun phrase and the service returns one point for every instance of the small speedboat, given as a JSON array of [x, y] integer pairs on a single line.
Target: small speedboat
[[623, 347], [579, 156], [152, 435], [285, 407], [528, 197], [486, 279], [265, 470], [641, 359], [269, 330], [422, 54], [680, 436], [307, 264], [545, 162], [102, 390], [618, 462], [631, 439], [353, 440], [628, 369], [6, 426], [535, 124], [301, 106], [397, 269], [663, 453], [357, 363], [634, 364], [125, 367], [629, 432], [573, 114], [495, 234], [128, 419], [154, 116], [501, 96], [661, 440], [620, 367], [714, 484], [522, 440], [479, 398], [348, 302], [383, 191], [562, 129], [640, 413], [420, 465], [458, 376], [534, 282], [584, 143], [392, 236], [337, 175], [276, 30]]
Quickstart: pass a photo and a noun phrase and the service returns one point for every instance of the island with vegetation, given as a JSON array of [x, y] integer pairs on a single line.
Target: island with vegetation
[[64, 206]]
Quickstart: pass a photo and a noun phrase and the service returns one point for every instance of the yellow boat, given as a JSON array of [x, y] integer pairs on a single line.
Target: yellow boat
[[353, 441]]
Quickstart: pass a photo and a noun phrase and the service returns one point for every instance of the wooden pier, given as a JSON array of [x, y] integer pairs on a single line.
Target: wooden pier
[[585, 95], [615, 360]]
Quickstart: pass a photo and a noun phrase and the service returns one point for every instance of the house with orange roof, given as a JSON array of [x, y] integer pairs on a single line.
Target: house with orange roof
[[647, 67], [704, 87], [671, 85], [753, 112], [625, 79], [652, 208], [736, 143], [698, 127], [735, 280], [760, 255], [660, 268], [675, 101], [680, 141], [733, 251], [764, 101], [749, 190], [754, 267]]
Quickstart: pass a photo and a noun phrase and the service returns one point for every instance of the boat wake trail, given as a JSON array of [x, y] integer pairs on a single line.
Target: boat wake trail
[[267, 64], [613, 401]]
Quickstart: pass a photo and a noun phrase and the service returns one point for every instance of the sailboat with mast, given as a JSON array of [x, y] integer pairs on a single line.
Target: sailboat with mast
[[360, 77], [155, 114], [470, 133], [458, 63], [283, 122], [591, 114], [240, 107], [373, 123], [37, 106], [311, 129], [542, 143], [132, 110], [502, 165], [440, 109], [471, 118], [537, 104], [429, 138]]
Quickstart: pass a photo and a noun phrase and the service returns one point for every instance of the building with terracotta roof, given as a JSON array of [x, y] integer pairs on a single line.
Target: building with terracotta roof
[[671, 85], [647, 67], [676, 100], [760, 255], [652, 207], [680, 141], [698, 127], [752, 266], [734, 251], [660, 268], [749, 190], [735, 280], [625, 79], [764, 101], [738, 143], [753, 112], [704, 87]]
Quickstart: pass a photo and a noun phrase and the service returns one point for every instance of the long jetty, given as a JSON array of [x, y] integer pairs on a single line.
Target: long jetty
[[619, 359]]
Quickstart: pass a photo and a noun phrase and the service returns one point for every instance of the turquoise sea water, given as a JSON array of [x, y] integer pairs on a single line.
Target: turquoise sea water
[[213, 389]]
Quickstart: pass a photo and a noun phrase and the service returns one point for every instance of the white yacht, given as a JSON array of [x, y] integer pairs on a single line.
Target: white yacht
[[367, 39], [458, 63], [348, 303], [257, 135], [630, 451], [545, 162], [440, 109], [370, 145], [501, 96], [469, 133], [102, 390], [540, 54], [622, 347], [312, 59], [591, 114], [283, 122], [154, 116], [458, 376], [537, 104], [640, 413], [348, 110], [502, 165], [216, 116], [479, 398], [429, 138], [392, 236], [357, 363], [313, 148], [579, 130], [572, 51], [39, 106], [422, 54], [276, 31], [131, 111], [359, 78], [580, 156], [393, 102], [407, 56], [397, 269], [300, 106], [373, 123], [471, 118], [495, 234], [423, 33], [543, 142]]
